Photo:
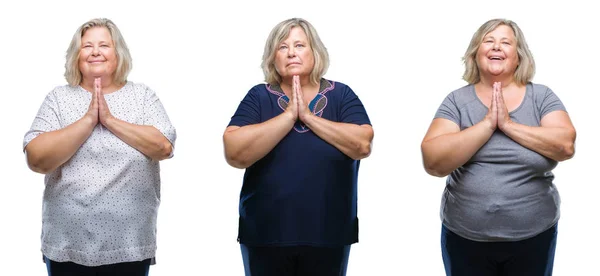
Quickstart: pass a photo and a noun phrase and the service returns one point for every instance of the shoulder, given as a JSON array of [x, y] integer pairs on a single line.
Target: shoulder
[[537, 88], [462, 96], [331, 87], [138, 90], [137, 87], [540, 92], [335, 85], [65, 90], [64, 93], [260, 88]]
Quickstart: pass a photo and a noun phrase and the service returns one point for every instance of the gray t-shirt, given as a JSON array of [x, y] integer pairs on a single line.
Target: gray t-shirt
[[505, 191], [100, 206]]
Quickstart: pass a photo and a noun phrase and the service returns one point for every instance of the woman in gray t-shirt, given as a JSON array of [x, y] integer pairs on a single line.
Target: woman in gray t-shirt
[[98, 140], [498, 139]]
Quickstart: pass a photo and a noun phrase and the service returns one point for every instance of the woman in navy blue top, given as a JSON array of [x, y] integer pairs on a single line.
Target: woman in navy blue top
[[300, 138]]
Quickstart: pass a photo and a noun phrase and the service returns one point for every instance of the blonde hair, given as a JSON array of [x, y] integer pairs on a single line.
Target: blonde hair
[[280, 33], [526, 67], [124, 64]]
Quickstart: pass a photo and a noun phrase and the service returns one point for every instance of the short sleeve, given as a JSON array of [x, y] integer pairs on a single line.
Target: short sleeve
[[352, 109], [547, 102], [248, 112], [46, 120], [449, 109], [155, 115]]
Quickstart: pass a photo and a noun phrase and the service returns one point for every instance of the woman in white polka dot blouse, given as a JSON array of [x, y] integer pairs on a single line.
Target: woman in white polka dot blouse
[[99, 141]]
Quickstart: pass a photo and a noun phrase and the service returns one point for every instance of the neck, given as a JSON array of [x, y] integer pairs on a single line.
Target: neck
[[304, 82], [108, 85], [488, 81]]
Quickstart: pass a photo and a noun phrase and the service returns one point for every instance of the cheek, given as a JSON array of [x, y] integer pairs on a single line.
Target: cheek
[[309, 58]]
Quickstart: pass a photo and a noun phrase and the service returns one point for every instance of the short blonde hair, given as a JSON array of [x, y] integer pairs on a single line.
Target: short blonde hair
[[526, 67], [72, 72], [280, 33]]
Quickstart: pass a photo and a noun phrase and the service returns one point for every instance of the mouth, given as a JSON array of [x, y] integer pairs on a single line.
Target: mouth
[[498, 58]]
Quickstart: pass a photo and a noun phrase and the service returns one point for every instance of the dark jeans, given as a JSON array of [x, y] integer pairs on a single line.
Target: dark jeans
[[140, 268], [530, 257], [295, 260]]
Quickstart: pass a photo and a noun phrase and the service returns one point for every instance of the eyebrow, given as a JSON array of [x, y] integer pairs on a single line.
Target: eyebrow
[[491, 36], [295, 41], [100, 42]]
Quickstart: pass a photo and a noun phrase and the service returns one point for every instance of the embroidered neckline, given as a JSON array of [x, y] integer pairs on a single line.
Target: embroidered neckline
[[316, 105]]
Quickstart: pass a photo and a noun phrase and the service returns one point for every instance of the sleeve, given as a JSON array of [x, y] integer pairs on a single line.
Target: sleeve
[[449, 109], [352, 110], [155, 115], [248, 112], [46, 120], [548, 102]]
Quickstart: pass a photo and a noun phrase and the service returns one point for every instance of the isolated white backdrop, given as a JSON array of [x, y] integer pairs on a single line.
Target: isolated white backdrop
[[202, 58]]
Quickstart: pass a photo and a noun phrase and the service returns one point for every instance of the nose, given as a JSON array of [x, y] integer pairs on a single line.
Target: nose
[[291, 52], [496, 46], [95, 51]]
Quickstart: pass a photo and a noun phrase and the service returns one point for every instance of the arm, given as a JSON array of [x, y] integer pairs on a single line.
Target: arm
[[146, 139], [247, 144], [554, 138], [351, 139], [446, 148], [51, 149]]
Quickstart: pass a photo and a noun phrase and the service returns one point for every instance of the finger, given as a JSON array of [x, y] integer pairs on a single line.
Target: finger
[[294, 88], [98, 85], [298, 96]]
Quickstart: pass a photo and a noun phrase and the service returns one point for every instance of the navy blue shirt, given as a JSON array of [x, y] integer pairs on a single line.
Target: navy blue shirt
[[303, 192]]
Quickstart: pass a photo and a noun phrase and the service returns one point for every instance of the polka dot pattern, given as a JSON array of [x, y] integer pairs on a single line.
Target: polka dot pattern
[[100, 207]]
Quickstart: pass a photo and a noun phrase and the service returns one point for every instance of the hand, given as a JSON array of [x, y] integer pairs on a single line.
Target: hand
[[503, 116], [292, 107], [103, 112], [303, 110], [492, 116], [92, 112]]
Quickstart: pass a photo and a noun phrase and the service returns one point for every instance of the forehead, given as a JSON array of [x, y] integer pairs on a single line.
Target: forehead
[[502, 31], [296, 33], [96, 33]]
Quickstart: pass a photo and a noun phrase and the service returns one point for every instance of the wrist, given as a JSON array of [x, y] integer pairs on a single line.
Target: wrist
[[308, 118], [109, 121], [89, 120], [289, 115], [506, 126]]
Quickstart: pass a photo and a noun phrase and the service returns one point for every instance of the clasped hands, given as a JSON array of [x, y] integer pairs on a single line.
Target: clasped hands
[[98, 110], [296, 106], [497, 116]]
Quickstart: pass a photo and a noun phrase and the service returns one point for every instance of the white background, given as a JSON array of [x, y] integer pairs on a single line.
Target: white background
[[201, 59]]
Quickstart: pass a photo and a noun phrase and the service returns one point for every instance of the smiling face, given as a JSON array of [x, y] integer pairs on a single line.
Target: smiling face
[[294, 55], [497, 54], [97, 56]]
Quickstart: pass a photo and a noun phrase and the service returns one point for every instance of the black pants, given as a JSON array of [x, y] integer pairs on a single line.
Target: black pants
[[140, 268], [530, 257], [295, 260]]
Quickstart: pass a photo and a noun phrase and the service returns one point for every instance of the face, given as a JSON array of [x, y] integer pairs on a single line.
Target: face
[[497, 53], [97, 56], [294, 55]]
